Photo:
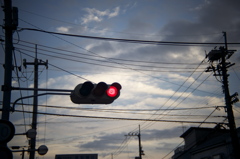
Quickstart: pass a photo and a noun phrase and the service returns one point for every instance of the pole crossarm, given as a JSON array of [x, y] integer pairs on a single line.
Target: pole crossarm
[[132, 134]]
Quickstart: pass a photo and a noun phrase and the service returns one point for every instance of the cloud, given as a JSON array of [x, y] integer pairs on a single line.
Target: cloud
[[105, 142], [63, 29], [114, 13], [210, 21], [157, 134], [94, 15], [111, 141]]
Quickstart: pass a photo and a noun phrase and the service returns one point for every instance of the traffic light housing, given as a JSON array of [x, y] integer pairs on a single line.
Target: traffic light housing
[[7, 131], [101, 93]]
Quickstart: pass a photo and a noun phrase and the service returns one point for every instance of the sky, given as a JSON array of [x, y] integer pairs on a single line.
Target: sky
[[159, 82]]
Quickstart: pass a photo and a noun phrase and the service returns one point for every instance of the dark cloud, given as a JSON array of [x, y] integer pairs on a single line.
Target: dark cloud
[[165, 146], [112, 141], [213, 17], [103, 48], [104, 142], [157, 134]]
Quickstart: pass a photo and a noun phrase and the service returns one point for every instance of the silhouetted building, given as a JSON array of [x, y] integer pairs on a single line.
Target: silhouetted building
[[76, 156], [205, 143]]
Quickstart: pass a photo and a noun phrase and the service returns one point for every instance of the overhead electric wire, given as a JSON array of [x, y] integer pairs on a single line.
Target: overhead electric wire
[[102, 109], [208, 116], [19, 84], [59, 68], [80, 57], [106, 58], [173, 150], [102, 56], [150, 76], [236, 74], [115, 118], [118, 59], [129, 40], [123, 145], [150, 124], [198, 126], [186, 90], [111, 66], [188, 93], [128, 111]]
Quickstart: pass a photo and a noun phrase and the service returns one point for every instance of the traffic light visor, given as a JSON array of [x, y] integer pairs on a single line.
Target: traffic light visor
[[86, 88]]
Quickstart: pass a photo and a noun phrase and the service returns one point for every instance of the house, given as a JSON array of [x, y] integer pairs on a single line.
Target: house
[[205, 143]]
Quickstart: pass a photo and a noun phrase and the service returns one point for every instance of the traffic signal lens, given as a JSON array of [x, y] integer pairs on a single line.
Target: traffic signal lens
[[112, 91], [100, 89], [86, 88]]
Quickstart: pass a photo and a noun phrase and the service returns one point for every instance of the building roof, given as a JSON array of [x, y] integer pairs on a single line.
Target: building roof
[[186, 133]]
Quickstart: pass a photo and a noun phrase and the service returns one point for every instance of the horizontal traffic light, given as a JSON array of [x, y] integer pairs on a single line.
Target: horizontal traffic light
[[101, 93]]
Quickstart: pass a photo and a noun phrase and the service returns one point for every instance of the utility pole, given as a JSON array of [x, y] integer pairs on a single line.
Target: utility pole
[[7, 129], [139, 142], [6, 88], [229, 102], [36, 63], [221, 70]]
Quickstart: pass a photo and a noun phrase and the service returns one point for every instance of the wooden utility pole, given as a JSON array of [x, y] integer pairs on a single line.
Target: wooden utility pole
[[229, 102], [36, 63], [139, 142], [6, 88], [221, 70]]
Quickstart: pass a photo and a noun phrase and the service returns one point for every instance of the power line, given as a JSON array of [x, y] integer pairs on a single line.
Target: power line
[[189, 93], [19, 84], [149, 124], [208, 116], [182, 66], [115, 118], [158, 78], [118, 67], [101, 109], [128, 40], [58, 68], [118, 59], [105, 57], [139, 70]]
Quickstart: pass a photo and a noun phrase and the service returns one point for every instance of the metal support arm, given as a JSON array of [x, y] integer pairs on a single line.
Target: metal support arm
[[42, 94]]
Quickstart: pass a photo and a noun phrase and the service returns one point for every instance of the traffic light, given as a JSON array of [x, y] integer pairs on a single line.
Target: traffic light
[[7, 131], [101, 93]]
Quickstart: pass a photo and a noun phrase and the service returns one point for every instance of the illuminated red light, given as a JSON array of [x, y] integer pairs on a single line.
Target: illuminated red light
[[112, 91]]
